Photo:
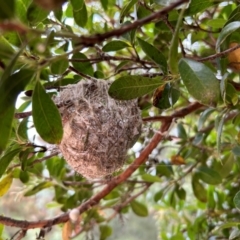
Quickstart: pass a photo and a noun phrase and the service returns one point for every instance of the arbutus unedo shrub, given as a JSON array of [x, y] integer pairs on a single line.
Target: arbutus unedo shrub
[[98, 130]]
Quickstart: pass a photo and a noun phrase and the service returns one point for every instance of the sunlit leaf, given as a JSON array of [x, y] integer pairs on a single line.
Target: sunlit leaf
[[200, 81], [46, 116], [150, 178], [66, 230], [105, 231], [130, 87], [5, 184]]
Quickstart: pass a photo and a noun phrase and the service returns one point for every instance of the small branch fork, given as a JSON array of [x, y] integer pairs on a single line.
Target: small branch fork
[[114, 182]]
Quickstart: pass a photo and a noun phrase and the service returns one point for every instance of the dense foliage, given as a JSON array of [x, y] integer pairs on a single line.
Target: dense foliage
[[180, 60]]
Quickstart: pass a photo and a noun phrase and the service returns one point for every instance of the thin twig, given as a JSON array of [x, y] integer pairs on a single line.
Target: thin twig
[[91, 40]]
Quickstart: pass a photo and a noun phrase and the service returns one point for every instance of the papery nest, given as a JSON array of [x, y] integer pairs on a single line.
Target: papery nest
[[98, 130]]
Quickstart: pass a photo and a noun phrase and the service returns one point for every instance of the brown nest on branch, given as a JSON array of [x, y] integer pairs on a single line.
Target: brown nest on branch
[[98, 130]]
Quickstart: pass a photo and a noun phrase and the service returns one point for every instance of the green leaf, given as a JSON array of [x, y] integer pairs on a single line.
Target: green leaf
[[59, 66], [181, 193], [226, 225], [154, 54], [219, 122], [7, 9], [236, 150], [203, 117], [36, 14], [164, 169], [10, 87], [227, 165], [55, 167], [105, 231], [165, 96], [130, 87], [158, 196], [114, 45], [104, 4], [6, 50], [208, 175], [38, 188], [80, 15], [22, 129], [198, 189], [142, 12], [84, 67], [200, 81], [236, 200], [197, 6], [139, 208], [5, 184], [173, 51], [126, 8], [21, 11], [150, 178], [226, 31], [216, 23], [6, 159], [46, 116]]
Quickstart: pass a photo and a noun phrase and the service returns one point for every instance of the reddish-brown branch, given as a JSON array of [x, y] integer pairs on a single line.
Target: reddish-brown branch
[[91, 40], [111, 184]]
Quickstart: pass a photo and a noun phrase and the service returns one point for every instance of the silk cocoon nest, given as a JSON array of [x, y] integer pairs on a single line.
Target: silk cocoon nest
[[98, 130]]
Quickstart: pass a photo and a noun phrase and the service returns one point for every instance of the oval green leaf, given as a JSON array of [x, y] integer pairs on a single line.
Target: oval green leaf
[[126, 8], [200, 81], [85, 66], [7, 9], [208, 175], [6, 159], [198, 189], [46, 116], [114, 45], [150, 178], [130, 87], [154, 54], [139, 208], [5, 184], [35, 14], [236, 200], [105, 231], [81, 15], [10, 87], [226, 31], [38, 188], [59, 66]]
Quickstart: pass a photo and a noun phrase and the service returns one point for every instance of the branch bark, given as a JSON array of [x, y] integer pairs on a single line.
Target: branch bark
[[112, 183]]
